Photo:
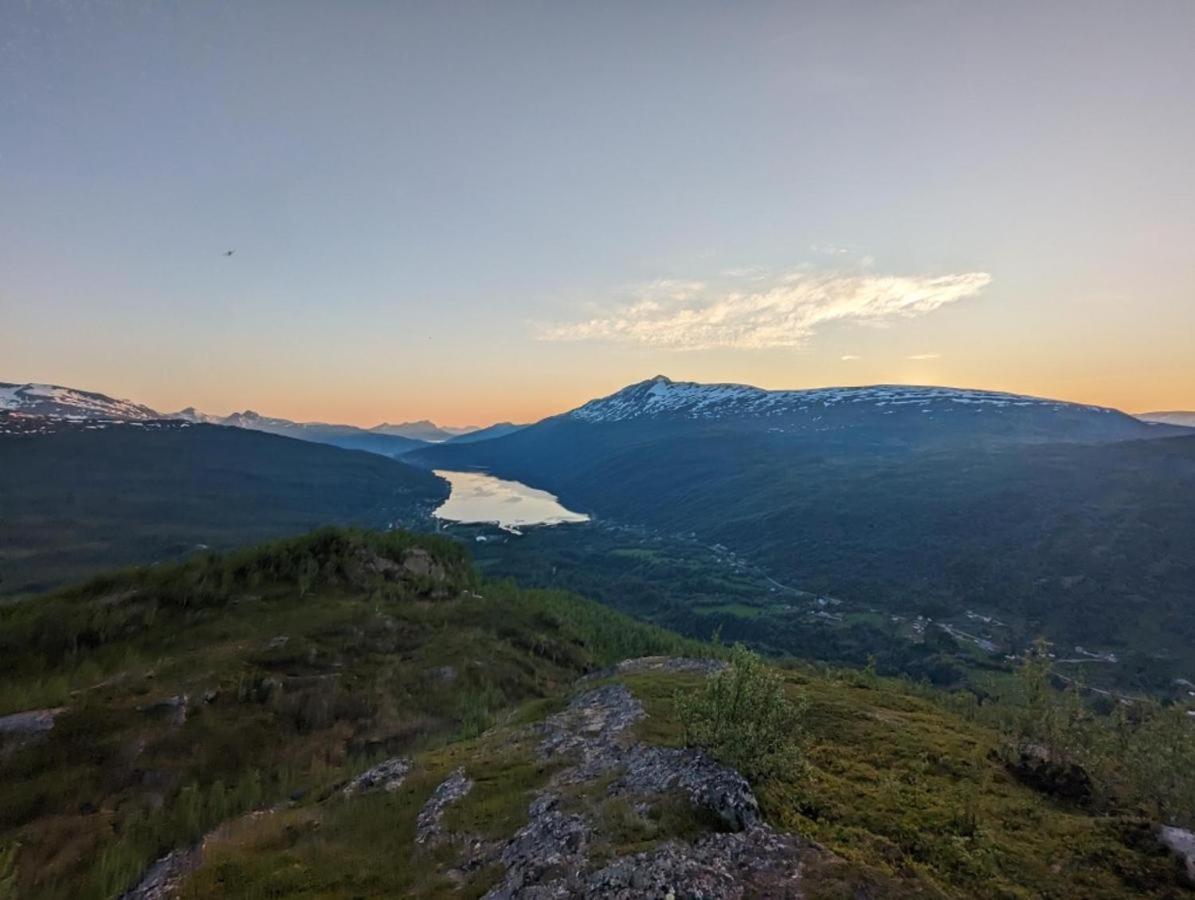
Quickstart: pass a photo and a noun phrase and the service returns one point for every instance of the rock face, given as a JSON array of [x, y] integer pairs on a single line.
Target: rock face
[[385, 776], [548, 858]]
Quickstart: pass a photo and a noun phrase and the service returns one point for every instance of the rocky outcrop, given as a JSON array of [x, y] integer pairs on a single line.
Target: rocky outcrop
[[595, 727], [1035, 766], [427, 825], [173, 708], [34, 721], [759, 862], [415, 563], [22, 729], [385, 776], [548, 857], [421, 564], [165, 877], [1181, 843]]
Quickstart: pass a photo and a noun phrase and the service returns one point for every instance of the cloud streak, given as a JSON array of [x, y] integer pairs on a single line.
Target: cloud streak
[[784, 312]]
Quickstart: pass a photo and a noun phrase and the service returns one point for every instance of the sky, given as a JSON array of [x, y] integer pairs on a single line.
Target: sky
[[475, 212]]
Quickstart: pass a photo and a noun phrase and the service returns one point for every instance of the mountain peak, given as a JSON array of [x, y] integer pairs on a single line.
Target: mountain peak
[[56, 401], [816, 409]]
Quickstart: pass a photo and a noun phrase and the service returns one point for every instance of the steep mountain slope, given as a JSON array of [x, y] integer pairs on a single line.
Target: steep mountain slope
[[360, 715], [83, 498], [915, 500], [56, 402]]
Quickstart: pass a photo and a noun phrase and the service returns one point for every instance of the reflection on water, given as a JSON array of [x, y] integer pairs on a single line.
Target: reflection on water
[[478, 498]]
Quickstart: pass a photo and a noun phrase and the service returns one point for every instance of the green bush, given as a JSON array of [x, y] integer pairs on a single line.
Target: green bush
[[743, 718]]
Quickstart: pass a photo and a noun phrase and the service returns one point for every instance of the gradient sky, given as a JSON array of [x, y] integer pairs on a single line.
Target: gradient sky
[[481, 211]]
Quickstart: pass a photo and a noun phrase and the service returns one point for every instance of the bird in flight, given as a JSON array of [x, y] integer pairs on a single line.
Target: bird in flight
[[229, 252]]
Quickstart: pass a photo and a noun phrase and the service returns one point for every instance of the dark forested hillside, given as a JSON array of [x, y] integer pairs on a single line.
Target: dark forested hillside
[[80, 498], [1080, 539]]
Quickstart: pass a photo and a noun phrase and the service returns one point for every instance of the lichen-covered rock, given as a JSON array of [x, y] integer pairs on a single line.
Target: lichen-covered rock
[[710, 785], [595, 727], [427, 825], [386, 776], [759, 862], [546, 856]]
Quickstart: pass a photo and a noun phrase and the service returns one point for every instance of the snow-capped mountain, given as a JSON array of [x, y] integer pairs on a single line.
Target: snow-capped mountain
[[57, 402], [656, 422], [662, 398], [1171, 417]]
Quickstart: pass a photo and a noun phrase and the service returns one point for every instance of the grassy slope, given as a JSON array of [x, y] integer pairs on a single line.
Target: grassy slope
[[78, 502], [359, 675], [899, 786]]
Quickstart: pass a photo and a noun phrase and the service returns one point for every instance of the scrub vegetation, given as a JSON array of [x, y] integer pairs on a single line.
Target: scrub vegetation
[[229, 698]]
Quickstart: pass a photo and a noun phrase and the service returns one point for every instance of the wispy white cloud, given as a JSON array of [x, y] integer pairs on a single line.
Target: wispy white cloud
[[925, 356], [782, 311], [849, 357]]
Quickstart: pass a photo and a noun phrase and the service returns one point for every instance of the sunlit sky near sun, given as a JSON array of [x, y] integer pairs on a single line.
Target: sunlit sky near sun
[[474, 212]]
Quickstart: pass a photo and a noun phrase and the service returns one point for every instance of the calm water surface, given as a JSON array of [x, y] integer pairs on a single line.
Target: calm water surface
[[478, 498]]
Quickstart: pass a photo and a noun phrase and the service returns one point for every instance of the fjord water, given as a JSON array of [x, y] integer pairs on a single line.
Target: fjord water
[[477, 498]]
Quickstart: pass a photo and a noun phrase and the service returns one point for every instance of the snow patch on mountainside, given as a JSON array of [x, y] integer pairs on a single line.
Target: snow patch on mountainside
[[52, 400], [662, 398]]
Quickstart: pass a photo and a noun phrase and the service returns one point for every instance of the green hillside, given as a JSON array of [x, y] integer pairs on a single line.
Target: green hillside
[[237, 696]]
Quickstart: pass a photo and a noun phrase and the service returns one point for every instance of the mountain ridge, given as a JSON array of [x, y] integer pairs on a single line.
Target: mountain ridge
[[1180, 417]]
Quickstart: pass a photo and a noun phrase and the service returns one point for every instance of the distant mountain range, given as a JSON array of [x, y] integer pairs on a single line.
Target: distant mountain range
[[18, 402], [423, 430], [1174, 417], [347, 437]]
